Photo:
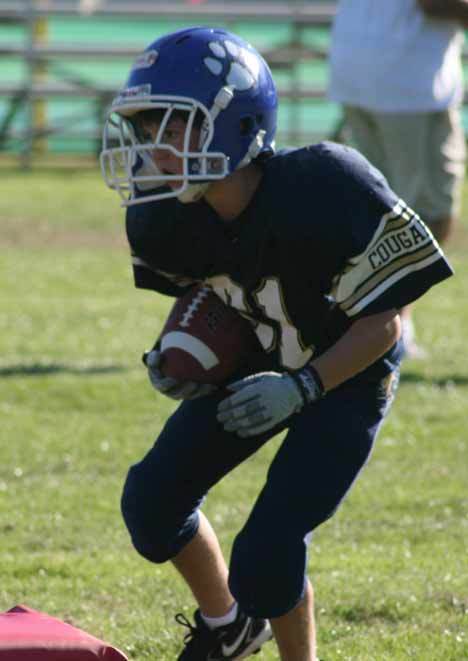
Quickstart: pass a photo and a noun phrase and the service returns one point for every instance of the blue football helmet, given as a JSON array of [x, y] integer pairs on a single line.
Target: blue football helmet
[[224, 88]]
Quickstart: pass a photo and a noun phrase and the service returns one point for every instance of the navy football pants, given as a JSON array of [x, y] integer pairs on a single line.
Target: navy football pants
[[326, 446]]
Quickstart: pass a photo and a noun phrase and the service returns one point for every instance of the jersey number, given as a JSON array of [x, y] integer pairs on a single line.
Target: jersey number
[[276, 333]]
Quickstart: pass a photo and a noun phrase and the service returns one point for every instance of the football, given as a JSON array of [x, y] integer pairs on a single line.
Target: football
[[204, 340]]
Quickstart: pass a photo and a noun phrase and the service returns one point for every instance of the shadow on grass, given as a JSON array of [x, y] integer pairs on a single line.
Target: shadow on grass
[[358, 613], [58, 368], [39, 369], [442, 382]]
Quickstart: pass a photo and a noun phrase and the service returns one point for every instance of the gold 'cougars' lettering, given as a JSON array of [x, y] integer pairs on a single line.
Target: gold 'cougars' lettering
[[386, 250], [418, 233]]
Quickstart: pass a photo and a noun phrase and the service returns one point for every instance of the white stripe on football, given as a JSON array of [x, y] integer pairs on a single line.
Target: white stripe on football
[[191, 345]]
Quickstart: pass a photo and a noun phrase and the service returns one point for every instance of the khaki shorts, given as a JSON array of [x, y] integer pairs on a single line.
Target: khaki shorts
[[421, 154]]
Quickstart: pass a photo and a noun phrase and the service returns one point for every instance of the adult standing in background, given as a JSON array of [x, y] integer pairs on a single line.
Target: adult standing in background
[[396, 69]]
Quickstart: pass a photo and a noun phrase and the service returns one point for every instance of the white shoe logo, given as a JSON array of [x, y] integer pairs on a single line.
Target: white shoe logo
[[228, 650]]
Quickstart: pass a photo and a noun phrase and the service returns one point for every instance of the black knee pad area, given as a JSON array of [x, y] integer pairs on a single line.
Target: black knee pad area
[[147, 518], [267, 574]]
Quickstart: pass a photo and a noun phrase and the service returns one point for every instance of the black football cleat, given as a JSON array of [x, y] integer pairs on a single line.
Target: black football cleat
[[235, 641]]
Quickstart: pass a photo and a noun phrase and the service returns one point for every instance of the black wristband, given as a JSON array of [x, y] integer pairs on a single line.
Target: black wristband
[[309, 383]]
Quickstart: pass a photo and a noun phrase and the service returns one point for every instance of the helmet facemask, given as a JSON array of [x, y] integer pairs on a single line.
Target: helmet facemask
[[138, 137]]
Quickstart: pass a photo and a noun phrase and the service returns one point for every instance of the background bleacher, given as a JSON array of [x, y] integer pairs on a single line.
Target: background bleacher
[[59, 66]]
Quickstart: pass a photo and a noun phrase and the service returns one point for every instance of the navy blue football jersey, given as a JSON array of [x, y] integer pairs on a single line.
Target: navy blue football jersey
[[323, 242]]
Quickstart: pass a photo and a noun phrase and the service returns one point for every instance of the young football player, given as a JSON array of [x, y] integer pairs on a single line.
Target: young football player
[[313, 247]]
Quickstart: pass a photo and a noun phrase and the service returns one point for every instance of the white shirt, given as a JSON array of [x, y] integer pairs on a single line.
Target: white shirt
[[388, 56]]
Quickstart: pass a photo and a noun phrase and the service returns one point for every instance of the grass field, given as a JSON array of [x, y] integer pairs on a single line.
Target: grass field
[[390, 569]]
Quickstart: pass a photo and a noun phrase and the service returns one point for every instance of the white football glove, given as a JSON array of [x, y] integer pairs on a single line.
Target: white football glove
[[262, 401], [169, 386]]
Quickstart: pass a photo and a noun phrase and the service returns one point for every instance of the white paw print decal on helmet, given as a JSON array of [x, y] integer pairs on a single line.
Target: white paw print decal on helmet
[[243, 68]]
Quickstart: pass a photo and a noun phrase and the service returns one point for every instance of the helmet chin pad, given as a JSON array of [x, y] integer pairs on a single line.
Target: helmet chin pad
[[193, 193]]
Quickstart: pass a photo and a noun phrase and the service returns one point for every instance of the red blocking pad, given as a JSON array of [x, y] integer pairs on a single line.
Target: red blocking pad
[[28, 635]]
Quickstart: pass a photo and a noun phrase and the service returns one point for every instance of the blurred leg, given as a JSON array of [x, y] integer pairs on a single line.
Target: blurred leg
[[295, 632], [201, 563]]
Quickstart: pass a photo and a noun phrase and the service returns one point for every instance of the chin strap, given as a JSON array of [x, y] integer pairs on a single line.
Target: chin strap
[[193, 193], [223, 98], [254, 149]]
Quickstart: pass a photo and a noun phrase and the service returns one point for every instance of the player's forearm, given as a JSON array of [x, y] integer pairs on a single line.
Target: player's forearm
[[456, 10], [366, 340]]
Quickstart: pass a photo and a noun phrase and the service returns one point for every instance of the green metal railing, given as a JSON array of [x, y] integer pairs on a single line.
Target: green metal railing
[[58, 68]]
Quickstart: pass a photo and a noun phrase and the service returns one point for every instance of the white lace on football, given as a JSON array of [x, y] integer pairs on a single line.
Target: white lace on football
[[202, 293]]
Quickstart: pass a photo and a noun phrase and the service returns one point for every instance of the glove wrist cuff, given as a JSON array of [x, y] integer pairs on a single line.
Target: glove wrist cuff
[[310, 384], [156, 347]]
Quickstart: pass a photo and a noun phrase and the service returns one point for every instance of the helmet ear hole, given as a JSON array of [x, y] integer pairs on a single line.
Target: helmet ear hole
[[246, 125]]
